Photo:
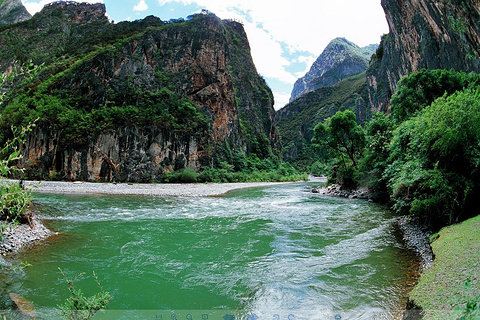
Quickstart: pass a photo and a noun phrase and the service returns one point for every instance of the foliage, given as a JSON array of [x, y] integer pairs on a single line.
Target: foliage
[[185, 175], [296, 122], [14, 199], [379, 132], [80, 307], [420, 89], [240, 168], [434, 171], [341, 137], [469, 309]]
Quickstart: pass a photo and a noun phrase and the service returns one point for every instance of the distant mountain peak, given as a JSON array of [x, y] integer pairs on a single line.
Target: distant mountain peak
[[340, 59], [12, 11]]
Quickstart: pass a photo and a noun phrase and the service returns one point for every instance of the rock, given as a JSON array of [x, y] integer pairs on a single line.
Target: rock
[[423, 34], [204, 60], [19, 236], [416, 238], [12, 11], [24, 306], [340, 59]]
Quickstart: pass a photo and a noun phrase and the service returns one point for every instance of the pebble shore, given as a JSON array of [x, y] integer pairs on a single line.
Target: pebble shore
[[173, 190], [16, 237]]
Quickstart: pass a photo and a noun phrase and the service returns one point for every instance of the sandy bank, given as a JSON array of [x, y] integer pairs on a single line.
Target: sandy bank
[[172, 190]]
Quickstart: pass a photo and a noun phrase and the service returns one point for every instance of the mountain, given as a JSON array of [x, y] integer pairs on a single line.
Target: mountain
[[297, 119], [340, 59], [134, 100], [12, 11], [423, 34]]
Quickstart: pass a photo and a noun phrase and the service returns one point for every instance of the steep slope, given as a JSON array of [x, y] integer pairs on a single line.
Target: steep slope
[[442, 34], [340, 59], [296, 120], [12, 11], [132, 101]]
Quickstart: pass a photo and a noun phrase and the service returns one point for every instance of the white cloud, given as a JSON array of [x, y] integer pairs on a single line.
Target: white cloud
[[141, 6], [305, 25], [267, 55], [36, 6], [275, 27], [281, 99]]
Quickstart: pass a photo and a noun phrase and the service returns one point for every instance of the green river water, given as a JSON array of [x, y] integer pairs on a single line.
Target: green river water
[[262, 253]]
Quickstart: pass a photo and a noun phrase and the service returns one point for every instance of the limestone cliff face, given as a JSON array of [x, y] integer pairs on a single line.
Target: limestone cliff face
[[126, 154], [142, 65], [440, 34], [12, 11]]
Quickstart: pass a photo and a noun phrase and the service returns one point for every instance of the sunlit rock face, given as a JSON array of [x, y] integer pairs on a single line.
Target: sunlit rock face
[[94, 63], [423, 34]]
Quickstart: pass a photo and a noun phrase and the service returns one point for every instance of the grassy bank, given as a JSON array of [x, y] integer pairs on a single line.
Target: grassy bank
[[450, 288]]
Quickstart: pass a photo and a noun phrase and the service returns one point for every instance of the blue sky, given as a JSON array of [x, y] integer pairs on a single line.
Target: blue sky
[[285, 36]]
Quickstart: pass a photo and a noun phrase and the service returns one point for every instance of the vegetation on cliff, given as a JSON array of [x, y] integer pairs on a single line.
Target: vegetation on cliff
[[423, 34], [340, 59], [12, 11], [424, 157], [191, 82]]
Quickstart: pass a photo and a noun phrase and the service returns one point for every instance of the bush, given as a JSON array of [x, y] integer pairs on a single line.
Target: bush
[[434, 171], [420, 89], [14, 200], [186, 175], [79, 307]]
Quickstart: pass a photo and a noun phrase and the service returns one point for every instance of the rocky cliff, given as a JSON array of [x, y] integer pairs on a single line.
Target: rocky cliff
[[131, 101], [340, 59], [12, 11], [441, 34]]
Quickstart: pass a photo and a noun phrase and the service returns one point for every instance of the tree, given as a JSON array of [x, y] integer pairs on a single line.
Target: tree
[[420, 89], [435, 161], [341, 137]]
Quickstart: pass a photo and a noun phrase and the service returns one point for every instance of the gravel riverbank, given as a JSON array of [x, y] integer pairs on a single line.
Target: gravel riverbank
[[16, 237], [173, 190]]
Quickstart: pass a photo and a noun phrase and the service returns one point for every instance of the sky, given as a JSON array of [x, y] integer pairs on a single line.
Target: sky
[[285, 36]]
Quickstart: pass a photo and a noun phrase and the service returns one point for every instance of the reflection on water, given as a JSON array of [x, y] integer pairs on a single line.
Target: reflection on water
[[256, 252]]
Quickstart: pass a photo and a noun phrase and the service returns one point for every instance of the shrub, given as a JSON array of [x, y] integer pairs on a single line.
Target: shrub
[[79, 307], [186, 175], [434, 171]]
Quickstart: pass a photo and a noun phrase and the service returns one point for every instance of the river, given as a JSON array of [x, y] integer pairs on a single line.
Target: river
[[263, 253]]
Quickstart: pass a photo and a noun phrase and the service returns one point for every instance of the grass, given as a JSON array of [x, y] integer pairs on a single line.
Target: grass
[[447, 289]]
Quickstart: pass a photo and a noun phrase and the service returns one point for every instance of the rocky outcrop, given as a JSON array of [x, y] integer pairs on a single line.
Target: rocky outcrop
[[124, 154], [12, 11], [441, 34], [163, 71], [340, 59], [79, 13]]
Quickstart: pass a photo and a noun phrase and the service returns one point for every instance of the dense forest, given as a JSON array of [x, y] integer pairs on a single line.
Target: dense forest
[[423, 157]]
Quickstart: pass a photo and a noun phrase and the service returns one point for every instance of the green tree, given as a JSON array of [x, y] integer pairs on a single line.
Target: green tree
[[379, 132], [341, 137], [420, 89], [435, 160]]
